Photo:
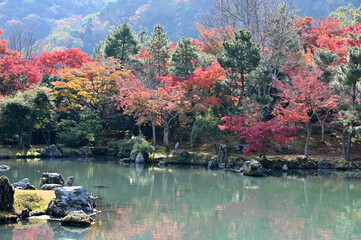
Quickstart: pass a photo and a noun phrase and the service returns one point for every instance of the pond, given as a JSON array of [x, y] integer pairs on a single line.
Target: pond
[[195, 203]]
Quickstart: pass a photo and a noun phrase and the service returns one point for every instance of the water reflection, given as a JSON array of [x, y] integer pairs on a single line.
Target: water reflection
[[147, 202]]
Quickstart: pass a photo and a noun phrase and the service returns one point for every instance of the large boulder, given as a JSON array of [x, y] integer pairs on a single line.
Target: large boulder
[[6, 194], [181, 155], [4, 168], [77, 219], [24, 184], [222, 153], [252, 168], [52, 152], [68, 199], [85, 152], [52, 178], [139, 159]]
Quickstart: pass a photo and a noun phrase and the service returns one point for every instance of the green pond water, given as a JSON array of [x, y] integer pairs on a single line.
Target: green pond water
[[195, 203]]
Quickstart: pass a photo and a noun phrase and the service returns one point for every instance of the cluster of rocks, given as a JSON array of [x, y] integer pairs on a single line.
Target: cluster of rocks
[[71, 203]]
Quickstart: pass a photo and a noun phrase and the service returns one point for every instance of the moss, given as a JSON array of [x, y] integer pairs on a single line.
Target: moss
[[77, 219], [34, 200]]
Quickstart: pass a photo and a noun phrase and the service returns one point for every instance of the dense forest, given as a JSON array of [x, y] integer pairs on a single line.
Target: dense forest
[[264, 73], [81, 23]]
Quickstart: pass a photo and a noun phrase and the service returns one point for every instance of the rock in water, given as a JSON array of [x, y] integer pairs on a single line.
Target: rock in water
[[139, 159], [252, 168], [4, 168], [52, 152], [222, 153], [6, 194], [77, 219], [162, 164], [211, 164], [70, 181], [52, 178], [68, 199], [85, 152], [50, 186], [24, 185]]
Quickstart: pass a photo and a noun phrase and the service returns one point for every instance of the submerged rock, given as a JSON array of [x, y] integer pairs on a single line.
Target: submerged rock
[[52, 178], [52, 152], [4, 168], [252, 168], [162, 164], [6, 195], [24, 184], [68, 199], [77, 219]]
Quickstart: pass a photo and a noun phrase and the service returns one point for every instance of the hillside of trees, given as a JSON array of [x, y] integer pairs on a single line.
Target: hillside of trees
[[272, 82], [82, 23]]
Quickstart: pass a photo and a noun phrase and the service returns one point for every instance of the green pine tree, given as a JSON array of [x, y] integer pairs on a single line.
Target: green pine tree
[[158, 46], [240, 57], [121, 43], [182, 58], [349, 79]]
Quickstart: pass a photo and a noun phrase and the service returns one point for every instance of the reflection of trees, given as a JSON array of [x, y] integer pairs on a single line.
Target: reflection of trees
[[180, 203]]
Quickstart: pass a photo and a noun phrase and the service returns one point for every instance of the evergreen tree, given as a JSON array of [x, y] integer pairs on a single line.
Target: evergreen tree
[[158, 46], [183, 57], [349, 80], [325, 59], [121, 43], [240, 57]]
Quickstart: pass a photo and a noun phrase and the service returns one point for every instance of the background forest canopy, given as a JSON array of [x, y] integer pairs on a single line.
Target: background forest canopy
[[63, 24], [256, 69]]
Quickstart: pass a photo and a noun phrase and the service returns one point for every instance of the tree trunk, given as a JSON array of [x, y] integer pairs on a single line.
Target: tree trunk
[[30, 137], [309, 129], [349, 140], [166, 134], [323, 131], [154, 135], [191, 140], [140, 131]]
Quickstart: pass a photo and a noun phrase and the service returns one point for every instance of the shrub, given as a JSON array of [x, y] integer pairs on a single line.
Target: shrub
[[133, 145]]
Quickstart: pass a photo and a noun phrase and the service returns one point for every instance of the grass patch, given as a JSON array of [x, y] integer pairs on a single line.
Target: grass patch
[[36, 200], [5, 214]]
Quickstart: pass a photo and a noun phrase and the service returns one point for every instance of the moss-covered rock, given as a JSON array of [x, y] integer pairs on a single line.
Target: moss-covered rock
[[77, 219]]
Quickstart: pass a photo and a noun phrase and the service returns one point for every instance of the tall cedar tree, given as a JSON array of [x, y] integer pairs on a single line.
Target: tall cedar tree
[[240, 56], [349, 80], [121, 43], [158, 46], [183, 58]]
